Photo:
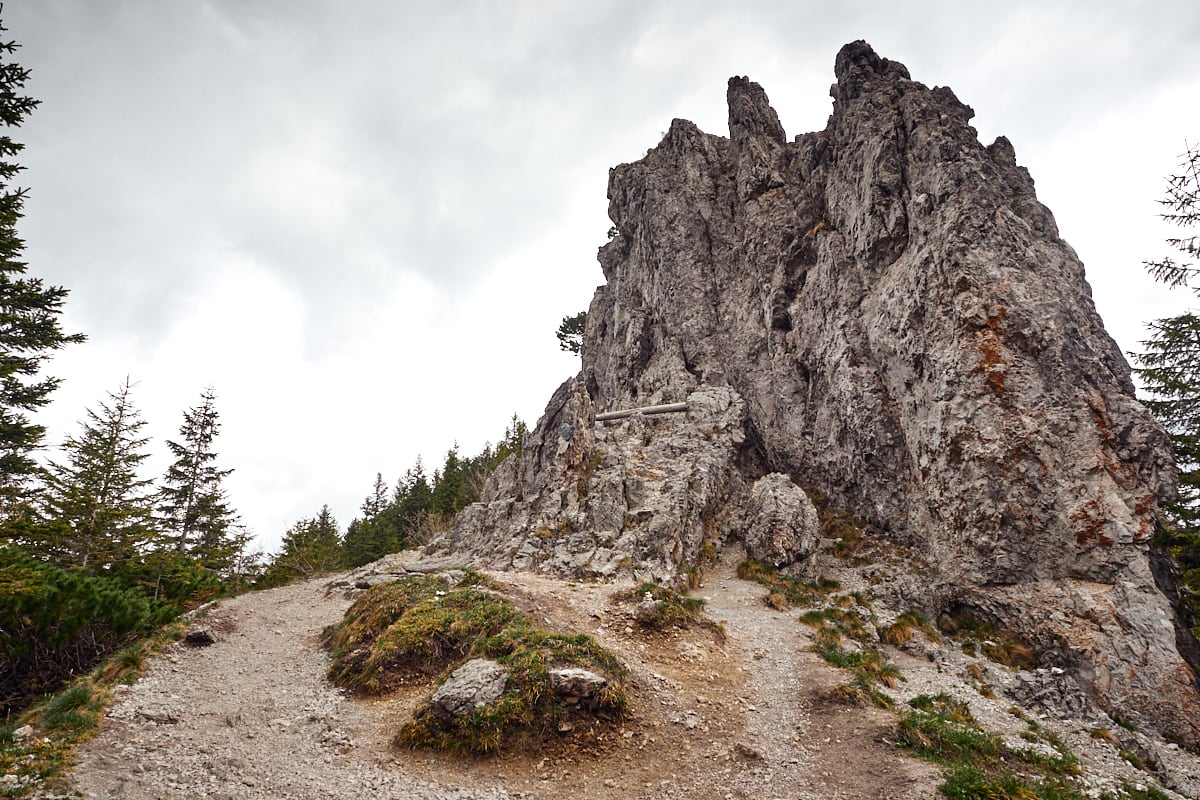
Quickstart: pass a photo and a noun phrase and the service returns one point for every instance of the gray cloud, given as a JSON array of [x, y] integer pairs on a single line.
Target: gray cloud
[[195, 165]]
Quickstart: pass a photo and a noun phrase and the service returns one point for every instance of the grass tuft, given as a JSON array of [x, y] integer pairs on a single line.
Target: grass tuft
[[73, 711], [977, 637], [906, 626], [786, 591], [669, 609], [979, 764]]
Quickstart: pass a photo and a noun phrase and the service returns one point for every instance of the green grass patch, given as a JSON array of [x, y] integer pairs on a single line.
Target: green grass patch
[[668, 608], [421, 626], [414, 625], [980, 637], [847, 618], [73, 711], [979, 764], [786, 591], [528, 713]]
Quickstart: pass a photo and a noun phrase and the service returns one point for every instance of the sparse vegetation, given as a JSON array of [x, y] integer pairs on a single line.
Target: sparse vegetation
[[785, 590], [63, 720], [980, 637], [528, 712], [978, 764], [901, 632], [668, 609]]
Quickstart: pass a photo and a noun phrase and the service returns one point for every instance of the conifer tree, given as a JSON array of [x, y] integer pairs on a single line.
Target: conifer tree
[[450, 485], [29, 310], [97, 496], [1169, 371], [413, 496], [377, 500], [310, 546], [195, 513]]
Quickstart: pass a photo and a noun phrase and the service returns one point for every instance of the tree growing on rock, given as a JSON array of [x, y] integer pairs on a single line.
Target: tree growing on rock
[[570, 332]]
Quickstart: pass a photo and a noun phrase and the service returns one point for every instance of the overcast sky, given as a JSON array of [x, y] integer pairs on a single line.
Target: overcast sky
[[361, 221]]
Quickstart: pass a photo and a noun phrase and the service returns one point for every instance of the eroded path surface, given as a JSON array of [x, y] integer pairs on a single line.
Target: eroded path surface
[[810, 745], [248, 717], [252, 716]]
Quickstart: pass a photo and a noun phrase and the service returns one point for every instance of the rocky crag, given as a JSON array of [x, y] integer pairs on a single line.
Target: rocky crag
[[876, 330]]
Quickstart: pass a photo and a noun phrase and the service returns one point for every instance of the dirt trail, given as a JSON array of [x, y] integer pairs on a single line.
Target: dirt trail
[[805, 738], [252, 716]]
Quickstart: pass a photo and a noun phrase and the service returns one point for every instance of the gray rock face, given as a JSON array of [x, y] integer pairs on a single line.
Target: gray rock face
[[781, 525], [472, 686], [883, 313]]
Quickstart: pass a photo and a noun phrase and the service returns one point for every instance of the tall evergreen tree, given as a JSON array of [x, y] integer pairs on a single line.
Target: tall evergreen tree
[[29, 310], [376, 534], [1169, 371], [377, 500], [193, 508], [450, 485], [413, 496], [105, 508]]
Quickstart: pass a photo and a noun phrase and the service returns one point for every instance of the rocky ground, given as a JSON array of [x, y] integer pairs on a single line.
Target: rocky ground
[[752, 716]]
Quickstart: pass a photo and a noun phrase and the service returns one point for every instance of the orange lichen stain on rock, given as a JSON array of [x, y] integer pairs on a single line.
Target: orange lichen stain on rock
[[992, 362], [1089, 521]]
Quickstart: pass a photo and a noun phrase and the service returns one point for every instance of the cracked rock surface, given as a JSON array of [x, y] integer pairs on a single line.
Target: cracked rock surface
[[882, 315]]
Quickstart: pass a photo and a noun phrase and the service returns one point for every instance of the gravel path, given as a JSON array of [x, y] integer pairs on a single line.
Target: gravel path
[[800, 744], [251, 716], [248, 717]]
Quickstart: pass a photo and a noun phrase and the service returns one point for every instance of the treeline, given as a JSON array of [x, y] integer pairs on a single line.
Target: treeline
[[92, 555], [392, 519]]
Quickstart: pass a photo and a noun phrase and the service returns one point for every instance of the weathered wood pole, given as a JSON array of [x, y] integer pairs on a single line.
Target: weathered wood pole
[[666, 408]]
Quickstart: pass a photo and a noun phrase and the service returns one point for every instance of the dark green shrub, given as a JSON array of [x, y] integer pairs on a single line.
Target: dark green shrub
[[56, 623]]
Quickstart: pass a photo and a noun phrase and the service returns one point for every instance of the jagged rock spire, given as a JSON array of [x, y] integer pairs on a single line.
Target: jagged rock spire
[[882, 316]]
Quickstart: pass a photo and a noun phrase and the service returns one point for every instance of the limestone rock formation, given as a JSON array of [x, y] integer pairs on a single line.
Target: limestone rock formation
[[881, 318]]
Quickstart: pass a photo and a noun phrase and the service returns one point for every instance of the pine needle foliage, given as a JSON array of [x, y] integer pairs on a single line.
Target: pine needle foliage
[[29, 310], [105, 509], [1169, 372], [194, 509]]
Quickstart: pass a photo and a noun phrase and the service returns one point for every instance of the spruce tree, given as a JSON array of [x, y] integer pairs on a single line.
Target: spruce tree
[[376, 534], [29, 310], [310, 546], [97, 495], [193, 509], [1169, 371], [377, 500]]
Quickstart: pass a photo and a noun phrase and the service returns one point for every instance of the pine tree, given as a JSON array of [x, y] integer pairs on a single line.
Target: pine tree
[[570, 333], [310, 546], [29, 310], [449, 485], [1169, 371], [376, 534], [413, 496], [193, 508], [377, 500], [97, 494]]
